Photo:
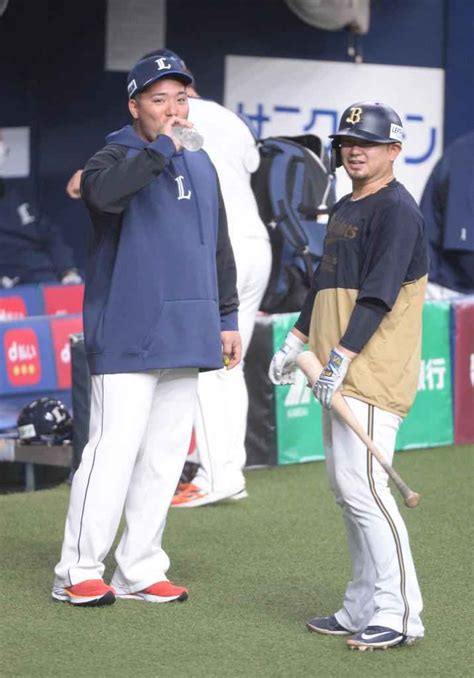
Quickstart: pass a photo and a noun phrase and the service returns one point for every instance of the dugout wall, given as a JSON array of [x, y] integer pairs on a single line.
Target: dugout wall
[[54, 80], [284, 422]]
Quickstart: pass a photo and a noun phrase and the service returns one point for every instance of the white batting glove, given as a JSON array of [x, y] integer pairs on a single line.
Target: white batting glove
[[283, 366], [331, 378]]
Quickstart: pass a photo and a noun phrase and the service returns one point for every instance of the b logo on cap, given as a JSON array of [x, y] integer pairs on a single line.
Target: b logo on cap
[[355, 116], [161, 64]]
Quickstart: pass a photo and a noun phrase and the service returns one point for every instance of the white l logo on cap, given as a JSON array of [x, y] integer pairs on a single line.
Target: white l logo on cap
[[161, 64]]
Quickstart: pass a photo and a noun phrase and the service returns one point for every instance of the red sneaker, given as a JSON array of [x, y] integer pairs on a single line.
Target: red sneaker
[[185, 487], [187, 492], [88, 593], [198, 497], [161, 592]]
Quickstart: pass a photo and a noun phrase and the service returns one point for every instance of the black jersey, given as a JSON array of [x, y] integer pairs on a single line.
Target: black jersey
[[374, 245], [375, 249]]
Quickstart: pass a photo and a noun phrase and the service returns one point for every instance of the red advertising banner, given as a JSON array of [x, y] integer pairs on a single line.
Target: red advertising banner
[[61, 329], [63, 299], [22, 356], [12, 308], [464, 371]]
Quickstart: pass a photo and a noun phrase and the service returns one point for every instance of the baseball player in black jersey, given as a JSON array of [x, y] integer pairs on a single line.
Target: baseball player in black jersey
[[362, 319]]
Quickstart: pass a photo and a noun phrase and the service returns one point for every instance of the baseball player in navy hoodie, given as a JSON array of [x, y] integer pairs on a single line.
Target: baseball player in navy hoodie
[[160, 305]]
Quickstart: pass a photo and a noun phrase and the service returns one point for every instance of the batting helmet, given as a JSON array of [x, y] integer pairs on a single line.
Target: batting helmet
[[45, 420], [369, 121]]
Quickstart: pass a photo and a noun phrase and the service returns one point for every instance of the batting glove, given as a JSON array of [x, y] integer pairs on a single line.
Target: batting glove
[[331, 378], [283, 366]]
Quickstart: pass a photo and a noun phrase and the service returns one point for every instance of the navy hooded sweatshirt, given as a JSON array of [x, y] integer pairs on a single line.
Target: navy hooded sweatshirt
[[160, 279], [32, 248]]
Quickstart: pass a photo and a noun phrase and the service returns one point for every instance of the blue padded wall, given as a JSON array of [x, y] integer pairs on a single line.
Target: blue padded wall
[[53, 78]]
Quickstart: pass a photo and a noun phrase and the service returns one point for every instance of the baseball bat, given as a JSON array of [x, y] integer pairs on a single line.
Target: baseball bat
[[311, 368]]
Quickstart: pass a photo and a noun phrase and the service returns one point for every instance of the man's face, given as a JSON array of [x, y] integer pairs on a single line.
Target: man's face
[[152, 107], [366, 161]]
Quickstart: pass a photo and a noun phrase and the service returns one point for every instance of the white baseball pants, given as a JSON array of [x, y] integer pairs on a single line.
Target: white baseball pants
[[139, 435], [435, 292], [221, 416], [384, 589]]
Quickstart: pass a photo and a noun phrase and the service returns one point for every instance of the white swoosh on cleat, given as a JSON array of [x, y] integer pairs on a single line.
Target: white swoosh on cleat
[[374, 636]]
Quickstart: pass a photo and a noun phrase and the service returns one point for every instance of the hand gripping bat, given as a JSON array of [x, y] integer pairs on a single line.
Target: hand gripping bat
[[311, 368]]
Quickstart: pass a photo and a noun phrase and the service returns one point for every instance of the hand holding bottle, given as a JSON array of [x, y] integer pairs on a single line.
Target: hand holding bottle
[[188, 137], [183, 133]]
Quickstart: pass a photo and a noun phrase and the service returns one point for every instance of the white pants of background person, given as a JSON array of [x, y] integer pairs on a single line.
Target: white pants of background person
[[139, 436], [384, 589], [435, 292], [221, 415]]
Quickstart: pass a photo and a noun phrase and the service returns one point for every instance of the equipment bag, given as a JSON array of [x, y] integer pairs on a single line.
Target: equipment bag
[[293, 188]]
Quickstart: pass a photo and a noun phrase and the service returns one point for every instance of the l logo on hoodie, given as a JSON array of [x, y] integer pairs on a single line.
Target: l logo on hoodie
[[181, 194], [26, 217]]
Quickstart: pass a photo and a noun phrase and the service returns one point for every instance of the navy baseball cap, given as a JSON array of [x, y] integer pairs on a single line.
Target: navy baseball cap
[[165, 52], [151, 69]]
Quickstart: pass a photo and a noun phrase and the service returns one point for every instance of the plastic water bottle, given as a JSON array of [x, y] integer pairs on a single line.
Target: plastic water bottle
[[188, 137]]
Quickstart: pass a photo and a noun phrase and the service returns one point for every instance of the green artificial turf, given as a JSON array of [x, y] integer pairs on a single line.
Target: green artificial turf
[[256, 570]]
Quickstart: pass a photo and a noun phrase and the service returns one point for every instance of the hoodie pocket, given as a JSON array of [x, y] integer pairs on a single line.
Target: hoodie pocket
[[186, 327]]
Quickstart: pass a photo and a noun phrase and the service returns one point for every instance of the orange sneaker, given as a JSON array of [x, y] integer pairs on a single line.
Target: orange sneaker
[[197, 497], [186, 492], [161, 592], [88, 593], [186, 487]]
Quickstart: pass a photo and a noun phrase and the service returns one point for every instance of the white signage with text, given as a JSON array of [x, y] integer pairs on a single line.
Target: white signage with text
[[298, 96]]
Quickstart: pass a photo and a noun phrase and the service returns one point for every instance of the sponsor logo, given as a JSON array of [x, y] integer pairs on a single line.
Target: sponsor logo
[[432, 374], [22, 357], [132, 87], [396, 132], [376, 636], [26, 432], [12, 308], [61, 330]]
